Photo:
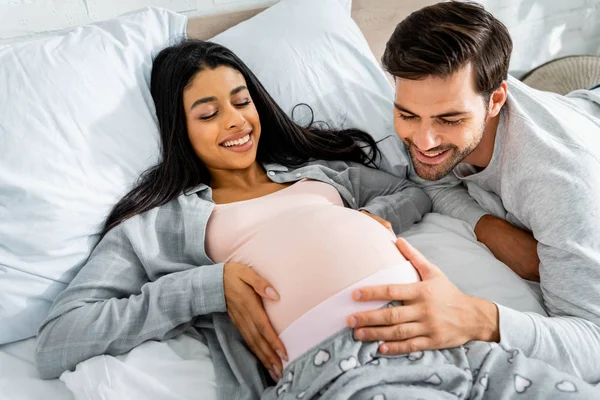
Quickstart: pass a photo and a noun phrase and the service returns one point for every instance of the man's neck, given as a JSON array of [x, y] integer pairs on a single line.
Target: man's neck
[[482, 155]]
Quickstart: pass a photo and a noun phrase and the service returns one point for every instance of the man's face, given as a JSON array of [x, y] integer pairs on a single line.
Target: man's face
[[441, 121]]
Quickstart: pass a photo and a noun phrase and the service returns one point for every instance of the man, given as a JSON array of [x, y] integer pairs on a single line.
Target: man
[[531, 163]]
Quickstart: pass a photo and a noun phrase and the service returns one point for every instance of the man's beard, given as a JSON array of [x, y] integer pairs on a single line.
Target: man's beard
[[438, 171]]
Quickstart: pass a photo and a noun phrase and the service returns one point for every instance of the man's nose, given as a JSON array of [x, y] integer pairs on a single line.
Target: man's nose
[[425, 138]]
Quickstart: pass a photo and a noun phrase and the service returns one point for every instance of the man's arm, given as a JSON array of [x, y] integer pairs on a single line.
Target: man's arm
[[513, 246], [450, 197], [436, 315], [563, 210]]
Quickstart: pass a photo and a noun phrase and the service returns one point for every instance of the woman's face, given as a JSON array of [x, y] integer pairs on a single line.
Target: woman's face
[[222, 121]]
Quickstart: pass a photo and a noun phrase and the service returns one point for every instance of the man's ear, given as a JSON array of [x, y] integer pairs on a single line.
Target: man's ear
[[497, 99]]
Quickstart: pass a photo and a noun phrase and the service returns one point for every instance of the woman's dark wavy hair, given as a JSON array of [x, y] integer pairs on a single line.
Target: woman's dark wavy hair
[[282, 141]]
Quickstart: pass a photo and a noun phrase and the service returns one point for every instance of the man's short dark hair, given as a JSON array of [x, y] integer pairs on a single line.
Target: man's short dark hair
[[441, 39]]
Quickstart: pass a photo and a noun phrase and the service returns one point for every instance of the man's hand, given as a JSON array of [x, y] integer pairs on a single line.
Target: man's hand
[[511, 245], [435, 314]]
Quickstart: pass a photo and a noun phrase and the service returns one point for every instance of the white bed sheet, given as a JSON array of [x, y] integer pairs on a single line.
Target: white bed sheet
[[19, 379], [181, 368]]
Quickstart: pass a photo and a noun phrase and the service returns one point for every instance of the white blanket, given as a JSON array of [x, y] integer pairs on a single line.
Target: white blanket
[[175, 369]]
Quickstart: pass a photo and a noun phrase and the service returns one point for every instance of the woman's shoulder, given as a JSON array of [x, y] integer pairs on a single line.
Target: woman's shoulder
[[155, 231], [341, 166], [337, 165], [169, 216]]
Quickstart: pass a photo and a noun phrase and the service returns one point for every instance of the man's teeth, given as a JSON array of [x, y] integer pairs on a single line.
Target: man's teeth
[[238, 142], [433, 154]]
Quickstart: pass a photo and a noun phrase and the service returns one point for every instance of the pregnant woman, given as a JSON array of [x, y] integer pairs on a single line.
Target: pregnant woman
[[244, 203], [246, 210]]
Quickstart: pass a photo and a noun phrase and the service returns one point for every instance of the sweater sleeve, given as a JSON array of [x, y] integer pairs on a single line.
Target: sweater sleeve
[[111, 306], [450, 197], [563, 211]]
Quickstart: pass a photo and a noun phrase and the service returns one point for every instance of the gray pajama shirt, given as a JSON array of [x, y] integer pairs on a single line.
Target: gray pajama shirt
[[150, 279]]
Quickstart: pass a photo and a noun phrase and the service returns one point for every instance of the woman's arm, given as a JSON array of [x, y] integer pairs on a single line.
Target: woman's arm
[[395, 199], [111, 306]]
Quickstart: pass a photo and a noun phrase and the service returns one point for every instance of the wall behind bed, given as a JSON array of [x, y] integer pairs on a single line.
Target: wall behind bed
[[26, 17], [542, 29]]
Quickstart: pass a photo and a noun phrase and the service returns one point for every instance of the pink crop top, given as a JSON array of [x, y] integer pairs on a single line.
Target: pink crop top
[[308, 245]]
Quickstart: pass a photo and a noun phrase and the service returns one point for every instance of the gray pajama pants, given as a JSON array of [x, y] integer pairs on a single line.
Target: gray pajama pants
[[342, 368]]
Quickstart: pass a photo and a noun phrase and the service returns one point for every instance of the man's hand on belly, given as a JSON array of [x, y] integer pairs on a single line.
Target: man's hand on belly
[[435, 314]]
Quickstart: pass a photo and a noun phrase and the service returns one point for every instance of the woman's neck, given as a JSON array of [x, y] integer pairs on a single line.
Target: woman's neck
[[238, 179]]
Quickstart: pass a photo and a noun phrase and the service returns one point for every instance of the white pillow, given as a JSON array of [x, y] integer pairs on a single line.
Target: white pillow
[[312, 51], [451, 245], [347, 5], [77, 126]]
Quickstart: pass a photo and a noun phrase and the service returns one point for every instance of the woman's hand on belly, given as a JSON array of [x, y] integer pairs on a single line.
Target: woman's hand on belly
[[243, 291]]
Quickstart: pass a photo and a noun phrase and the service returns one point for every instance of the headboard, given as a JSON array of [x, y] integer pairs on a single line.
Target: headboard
[[376, 19]]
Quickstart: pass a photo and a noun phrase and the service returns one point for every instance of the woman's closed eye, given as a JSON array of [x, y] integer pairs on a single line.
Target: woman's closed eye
[[209, 117], [242, 104], [236, 105]]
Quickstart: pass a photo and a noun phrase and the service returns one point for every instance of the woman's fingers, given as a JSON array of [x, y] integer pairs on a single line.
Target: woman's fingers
[[260, 285], [261, 346], [243, 291], [264, 326]]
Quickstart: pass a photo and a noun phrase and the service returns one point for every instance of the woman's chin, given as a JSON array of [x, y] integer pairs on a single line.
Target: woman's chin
[[243, 163]]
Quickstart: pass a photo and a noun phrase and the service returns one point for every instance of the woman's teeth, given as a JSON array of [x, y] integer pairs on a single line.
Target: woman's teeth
[[238, 142]]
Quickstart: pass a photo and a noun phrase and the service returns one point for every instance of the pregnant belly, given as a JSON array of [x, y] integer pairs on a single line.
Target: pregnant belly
[[313, 253]]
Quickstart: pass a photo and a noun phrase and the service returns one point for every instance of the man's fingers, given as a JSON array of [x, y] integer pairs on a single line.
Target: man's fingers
[[400, 292], [425, 268], [385, 316], [391, 333], [413, 345], [259, 284]]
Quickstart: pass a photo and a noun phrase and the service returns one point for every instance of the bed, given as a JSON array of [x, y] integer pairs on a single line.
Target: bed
[[181, 368]]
